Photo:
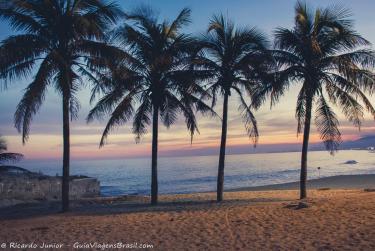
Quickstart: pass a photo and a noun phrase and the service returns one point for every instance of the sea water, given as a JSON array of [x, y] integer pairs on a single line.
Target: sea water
[[199, 173]]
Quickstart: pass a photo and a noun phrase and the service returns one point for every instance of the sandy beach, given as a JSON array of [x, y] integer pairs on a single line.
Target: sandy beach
[[335, 219]]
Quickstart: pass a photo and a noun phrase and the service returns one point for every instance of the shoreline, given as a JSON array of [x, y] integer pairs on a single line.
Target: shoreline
[[339, 182], [356, 181], [352, 181]]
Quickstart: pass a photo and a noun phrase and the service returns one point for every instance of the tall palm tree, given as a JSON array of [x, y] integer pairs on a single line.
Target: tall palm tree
[[237, 59], [6, 156], [153, 79], [62, 40], [330, 61]]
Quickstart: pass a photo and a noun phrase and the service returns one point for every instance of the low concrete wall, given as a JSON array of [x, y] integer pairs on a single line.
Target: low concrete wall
[[26, 187]]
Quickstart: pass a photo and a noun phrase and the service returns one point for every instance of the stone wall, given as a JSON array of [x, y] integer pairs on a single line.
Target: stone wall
[[26, 187]]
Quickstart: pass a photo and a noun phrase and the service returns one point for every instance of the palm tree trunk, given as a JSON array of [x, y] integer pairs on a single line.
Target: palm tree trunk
[[220, 175], [66, 154], [154, 169], [305, 146]]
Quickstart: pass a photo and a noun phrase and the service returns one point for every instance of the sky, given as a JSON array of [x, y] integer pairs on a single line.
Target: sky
[[277, 126]]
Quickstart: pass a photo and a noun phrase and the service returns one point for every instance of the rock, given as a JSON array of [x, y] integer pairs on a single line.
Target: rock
[[302, 204], [10, 202], [351, 162], [324, 188], [22, 187]]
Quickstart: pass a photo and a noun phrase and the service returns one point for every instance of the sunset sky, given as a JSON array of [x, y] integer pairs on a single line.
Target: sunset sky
[[277, 126]]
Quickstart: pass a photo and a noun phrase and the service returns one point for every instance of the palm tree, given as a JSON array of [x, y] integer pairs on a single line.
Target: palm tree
[[153, 79], [63, 41], [5, 156], [237, 59], [329, 59]]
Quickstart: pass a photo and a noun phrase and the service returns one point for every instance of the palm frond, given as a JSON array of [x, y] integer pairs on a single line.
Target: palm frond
[[169, 111], [182, 19], [18, 19], [120, 115], [338, 82], [185, 105], [349, 63], [142, 118], [301, 110], [19, 54], [248, 119], [327, 125], [348, 104], [33, 98], [288, 41], [106, 104]]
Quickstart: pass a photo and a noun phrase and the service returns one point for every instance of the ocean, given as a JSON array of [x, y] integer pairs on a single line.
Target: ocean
[[198, 173]]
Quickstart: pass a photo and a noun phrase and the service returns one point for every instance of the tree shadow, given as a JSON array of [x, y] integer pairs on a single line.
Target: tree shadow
[[100, 208]]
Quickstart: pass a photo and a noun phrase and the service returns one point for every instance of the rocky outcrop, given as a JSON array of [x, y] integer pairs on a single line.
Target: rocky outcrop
[[16, 187]]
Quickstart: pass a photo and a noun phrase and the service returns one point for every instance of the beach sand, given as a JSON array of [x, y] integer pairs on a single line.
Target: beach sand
[[247, 220]]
